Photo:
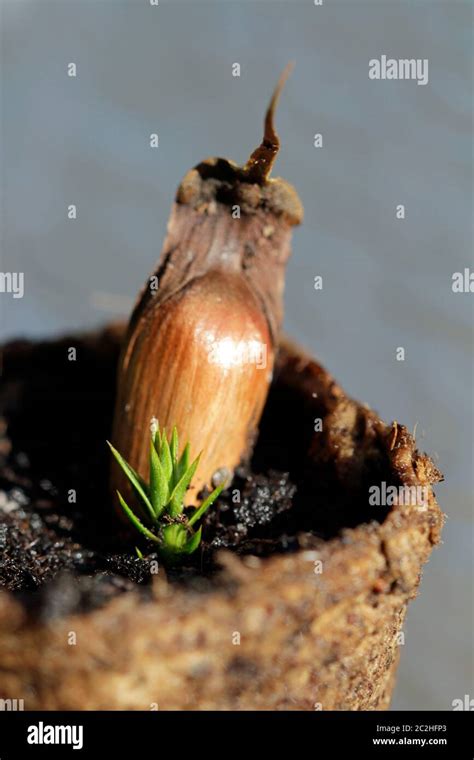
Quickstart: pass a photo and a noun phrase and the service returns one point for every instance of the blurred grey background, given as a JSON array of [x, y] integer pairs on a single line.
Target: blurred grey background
[[387, 282]]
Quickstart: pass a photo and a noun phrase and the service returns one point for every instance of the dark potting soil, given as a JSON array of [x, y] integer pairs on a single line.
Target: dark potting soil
[[59, 534]]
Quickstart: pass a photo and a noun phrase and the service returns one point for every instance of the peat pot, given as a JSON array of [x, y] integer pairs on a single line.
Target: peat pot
[[307, 617]]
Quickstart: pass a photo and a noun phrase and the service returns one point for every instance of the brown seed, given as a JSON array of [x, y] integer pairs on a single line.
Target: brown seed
[[199, 352]]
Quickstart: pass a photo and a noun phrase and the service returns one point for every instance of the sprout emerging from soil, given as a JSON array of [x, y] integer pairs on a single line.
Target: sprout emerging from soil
[[161, 517]]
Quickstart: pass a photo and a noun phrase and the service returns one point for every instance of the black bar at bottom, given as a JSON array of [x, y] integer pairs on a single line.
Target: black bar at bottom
[[133, 734]]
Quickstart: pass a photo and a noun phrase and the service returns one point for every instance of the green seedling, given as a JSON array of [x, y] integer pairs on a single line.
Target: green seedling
[[161, 517]]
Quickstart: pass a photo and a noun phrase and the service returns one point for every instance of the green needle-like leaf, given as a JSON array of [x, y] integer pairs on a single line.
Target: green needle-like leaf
[[176, 499], [182, 465], [192, 544], [206, 504], [134, 479], [165, 458], [135, 521], [158, 483], [174, 446]]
